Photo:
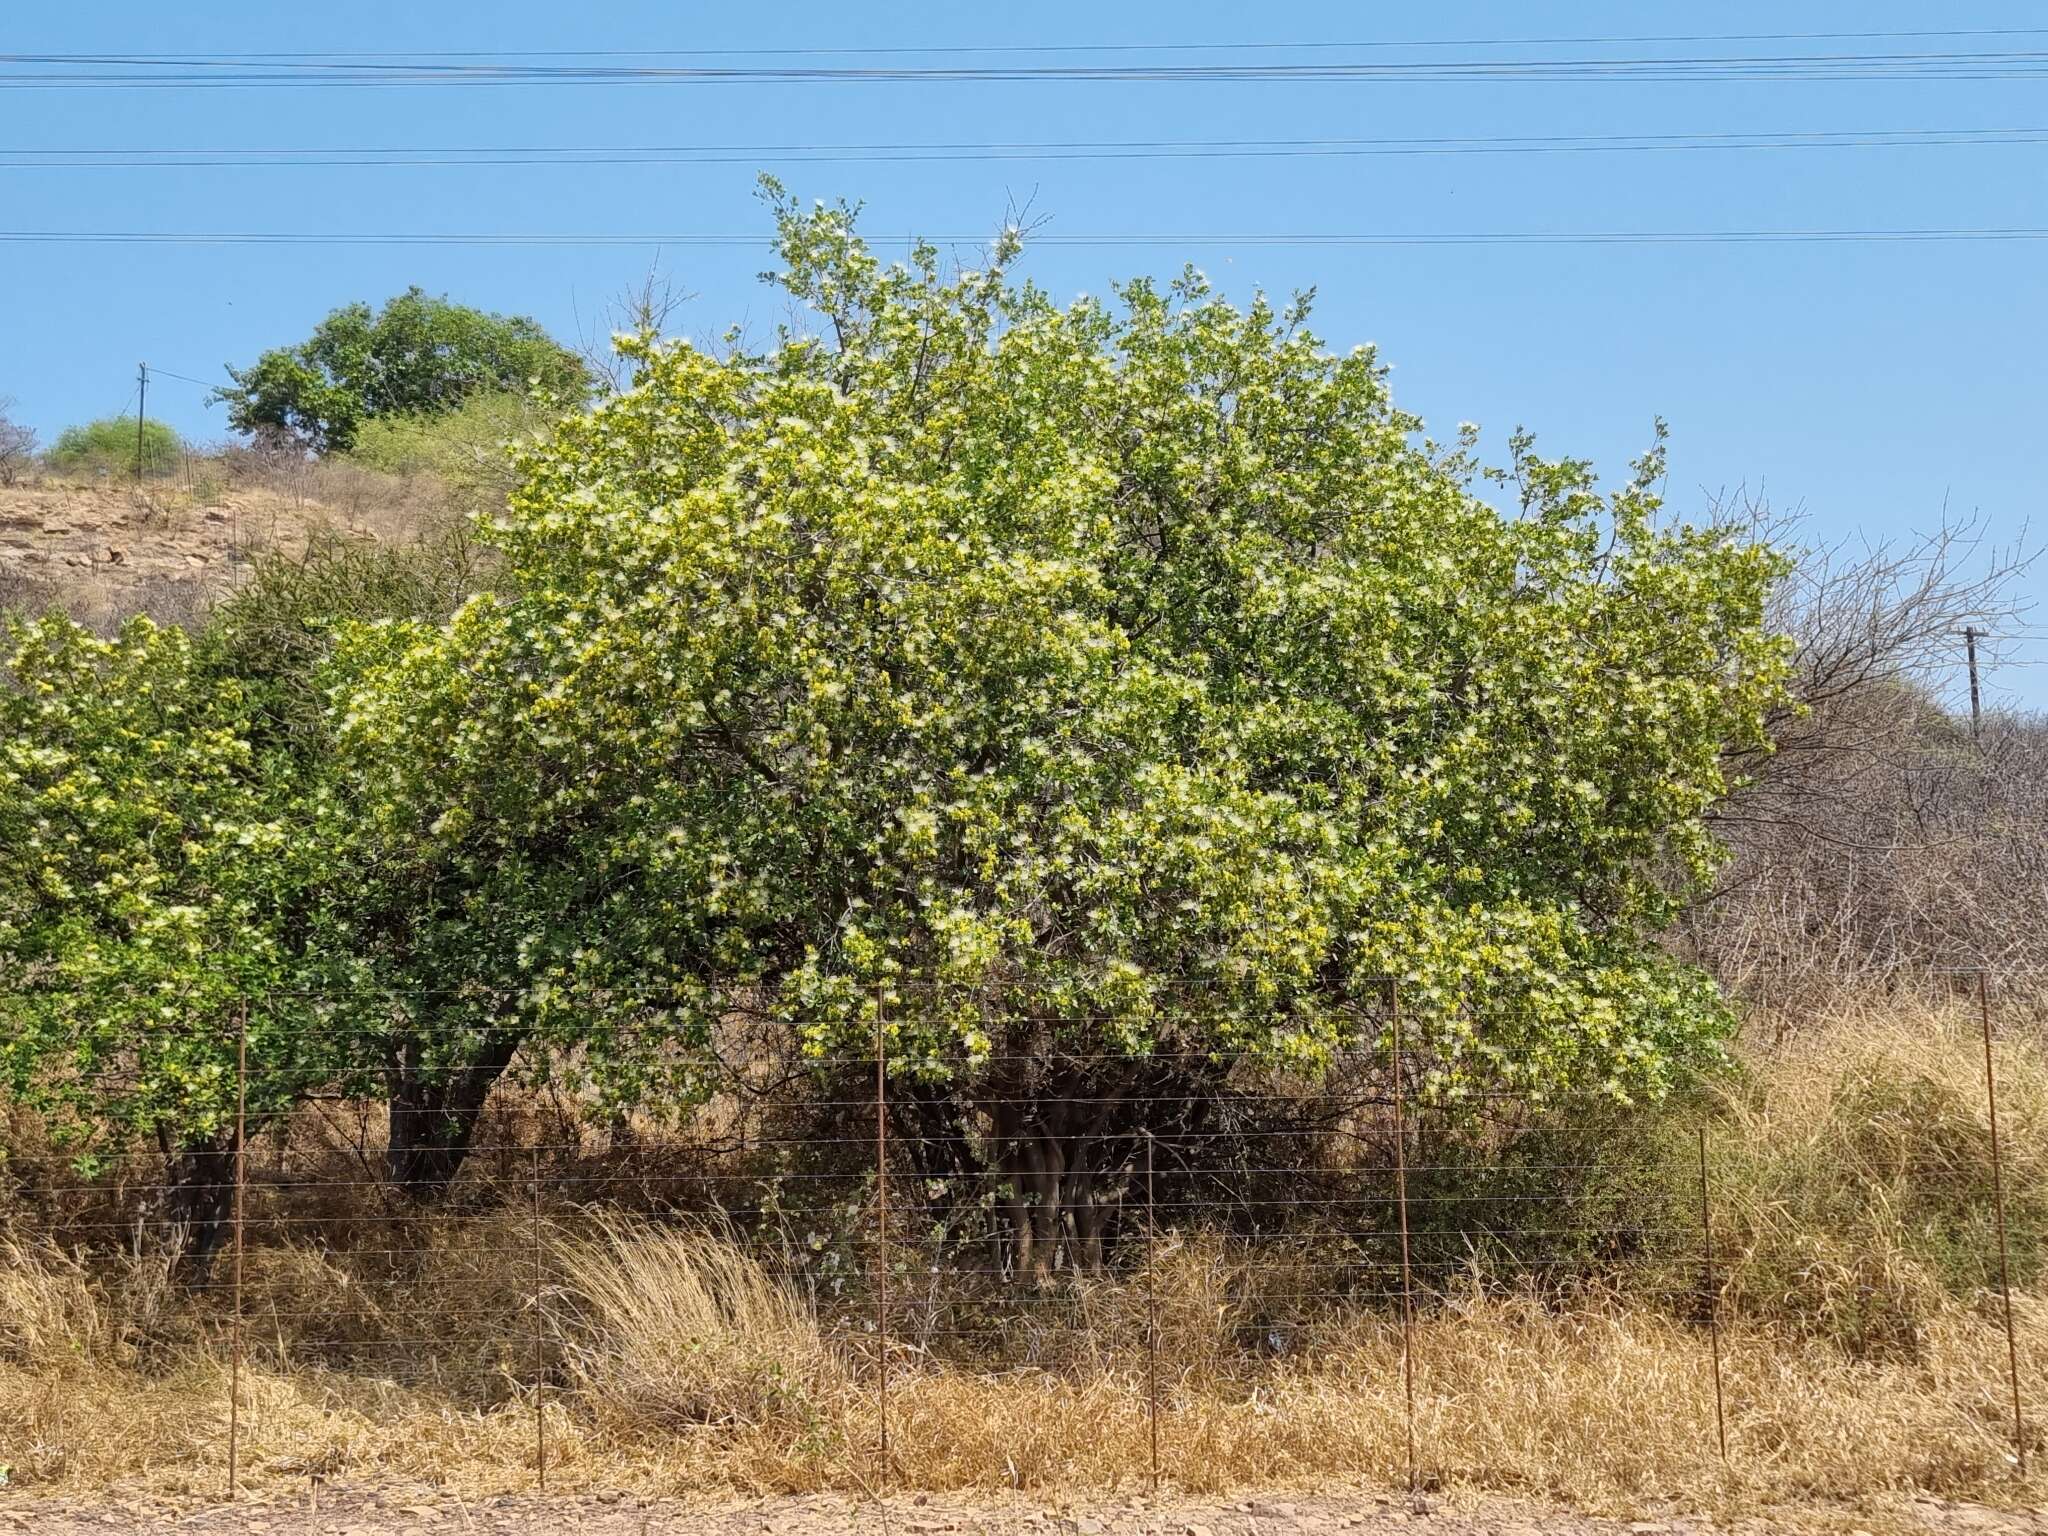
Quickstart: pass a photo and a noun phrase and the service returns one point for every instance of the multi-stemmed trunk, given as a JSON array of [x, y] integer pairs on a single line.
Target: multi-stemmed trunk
[[1058, 1143], [434, 1111], [198, 1203]]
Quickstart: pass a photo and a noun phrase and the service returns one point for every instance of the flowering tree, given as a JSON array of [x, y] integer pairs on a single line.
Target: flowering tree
[[176, 871], [148, 871], [1072, 683]]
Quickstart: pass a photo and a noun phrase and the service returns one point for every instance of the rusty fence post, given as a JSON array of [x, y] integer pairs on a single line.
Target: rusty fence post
[[1713, 1300], [241, 1186], [1151, 1315], [881, 1251], [540, 1386], [2012, 1349], [1401, 1202]]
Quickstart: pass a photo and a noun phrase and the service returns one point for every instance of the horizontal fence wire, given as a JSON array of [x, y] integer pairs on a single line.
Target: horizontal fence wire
[[396, 1209]]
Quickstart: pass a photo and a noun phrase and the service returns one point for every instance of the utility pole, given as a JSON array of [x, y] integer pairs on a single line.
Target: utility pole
[[1970, 634], [141, 399]]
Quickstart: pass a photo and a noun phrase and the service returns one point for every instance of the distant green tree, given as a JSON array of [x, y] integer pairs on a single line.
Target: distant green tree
[[419, 355], [110, 444]]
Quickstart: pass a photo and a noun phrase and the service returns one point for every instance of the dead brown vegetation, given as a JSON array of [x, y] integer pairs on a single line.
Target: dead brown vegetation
[[1862, 1346]]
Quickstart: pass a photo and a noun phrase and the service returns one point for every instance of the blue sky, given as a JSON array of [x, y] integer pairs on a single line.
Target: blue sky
[[1870, 384]]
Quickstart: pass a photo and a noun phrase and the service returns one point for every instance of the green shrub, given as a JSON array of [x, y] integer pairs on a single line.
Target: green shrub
[[465, 448], [110, 444]]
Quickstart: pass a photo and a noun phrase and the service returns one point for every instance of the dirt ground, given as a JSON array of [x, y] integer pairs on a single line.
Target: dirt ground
[[399, 1512], [104, 551], [74, 533]]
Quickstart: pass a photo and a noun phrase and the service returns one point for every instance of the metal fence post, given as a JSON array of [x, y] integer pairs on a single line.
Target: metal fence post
[[881, 1250], [540, 1415], [1151, 1314], [241, 1185], [1713, 1300], [1401, 1201], [2012, 1349]]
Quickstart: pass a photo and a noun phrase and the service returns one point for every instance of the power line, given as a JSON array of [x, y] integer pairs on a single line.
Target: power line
[[1125, 149], [992, 49], [1978, 234], [164, 71], [182, 378]]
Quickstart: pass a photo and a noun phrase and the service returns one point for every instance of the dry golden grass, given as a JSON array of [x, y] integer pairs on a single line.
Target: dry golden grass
[[1863, 1354], [57, 1317], [684, 1367], [678, 1329], [1852, 1170]]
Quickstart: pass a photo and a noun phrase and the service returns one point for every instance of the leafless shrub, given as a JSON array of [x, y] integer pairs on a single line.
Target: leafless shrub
[[263, 458], [1880, 841], [17, 445], [103, 606], [643, 309]]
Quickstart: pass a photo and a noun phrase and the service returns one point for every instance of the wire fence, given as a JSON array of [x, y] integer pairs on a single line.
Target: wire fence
[[927, 1220]]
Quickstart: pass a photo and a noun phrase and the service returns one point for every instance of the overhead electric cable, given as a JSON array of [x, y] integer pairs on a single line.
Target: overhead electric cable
[[1042, 238], [55, 70], [967, 151]]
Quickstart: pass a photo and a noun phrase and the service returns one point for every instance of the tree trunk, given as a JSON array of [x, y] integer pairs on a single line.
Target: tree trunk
[[199, 1199], [1054, 1179], [434, 1113], [1064, 1143]]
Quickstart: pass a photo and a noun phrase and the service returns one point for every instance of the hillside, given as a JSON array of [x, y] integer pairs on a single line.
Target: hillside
[[101, 552]]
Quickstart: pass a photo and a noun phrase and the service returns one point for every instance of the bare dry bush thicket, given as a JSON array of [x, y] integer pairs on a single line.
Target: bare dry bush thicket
[[1880, 844], [17, 446]]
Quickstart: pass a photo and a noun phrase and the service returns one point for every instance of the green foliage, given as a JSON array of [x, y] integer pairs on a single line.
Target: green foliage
[[275, 633], [1124, 666], [111, 444], [147, 860], [170, 854], [1064, 681], [467, 449], [418, 356]]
